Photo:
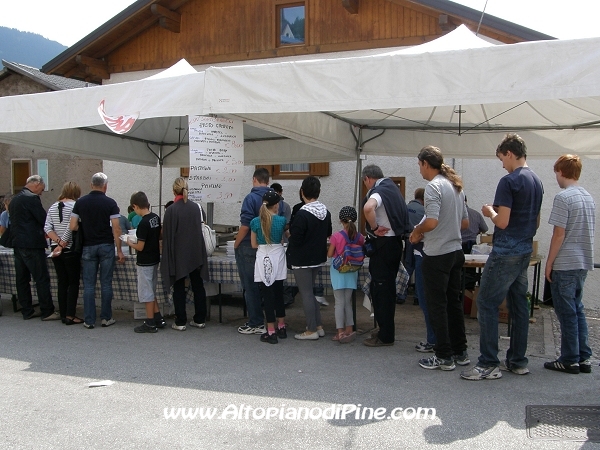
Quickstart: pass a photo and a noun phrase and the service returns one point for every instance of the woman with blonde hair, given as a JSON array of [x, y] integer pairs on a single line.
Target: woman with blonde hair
[[184, 254], [66, 261]]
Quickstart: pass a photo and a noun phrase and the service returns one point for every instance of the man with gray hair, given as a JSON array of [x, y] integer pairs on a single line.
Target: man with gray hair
[[387, 221], [93, 214], [27, 218]]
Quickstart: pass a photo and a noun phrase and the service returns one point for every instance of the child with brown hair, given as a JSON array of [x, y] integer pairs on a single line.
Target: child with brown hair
[[146, 243]]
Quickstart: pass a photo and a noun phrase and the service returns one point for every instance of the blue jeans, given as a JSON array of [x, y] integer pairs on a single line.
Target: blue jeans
[[567, 291], [420, 289], [245, 257], [503, 277], [93, 257]]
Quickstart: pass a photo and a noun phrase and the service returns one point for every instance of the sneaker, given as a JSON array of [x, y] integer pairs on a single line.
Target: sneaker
[[268, 338], [306, 336], [561, 367], [33, 315], [585, 366], [247, 329], [281, 333], [482, 373], [178, 327], [88, 326], [376, 342], [108, 323], [506, 367], [462, 359], [53, 316], [320, 332], [424, 347], [197, 325], [160, 323], [145, 328], [322, 301], [435, 363]]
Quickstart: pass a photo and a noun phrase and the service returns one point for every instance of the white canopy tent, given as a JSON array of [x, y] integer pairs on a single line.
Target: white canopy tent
[[69, 121], [459, 92]]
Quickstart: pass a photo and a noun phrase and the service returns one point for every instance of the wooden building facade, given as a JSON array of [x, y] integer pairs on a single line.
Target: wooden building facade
[[155, 34]]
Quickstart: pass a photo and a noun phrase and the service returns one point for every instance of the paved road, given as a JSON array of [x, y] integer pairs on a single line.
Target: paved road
[[46, 402]]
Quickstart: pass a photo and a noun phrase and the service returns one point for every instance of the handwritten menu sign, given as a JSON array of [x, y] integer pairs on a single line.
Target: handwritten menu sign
[[216, 159]]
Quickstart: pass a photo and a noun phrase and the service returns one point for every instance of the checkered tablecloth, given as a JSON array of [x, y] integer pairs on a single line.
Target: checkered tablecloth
[[222, 270]]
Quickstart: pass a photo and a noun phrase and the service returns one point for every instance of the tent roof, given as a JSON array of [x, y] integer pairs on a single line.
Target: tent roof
[[456, 85], [459, 92]]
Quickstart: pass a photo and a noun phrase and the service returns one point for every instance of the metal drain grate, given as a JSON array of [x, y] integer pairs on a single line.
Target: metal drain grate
[[563, 423]]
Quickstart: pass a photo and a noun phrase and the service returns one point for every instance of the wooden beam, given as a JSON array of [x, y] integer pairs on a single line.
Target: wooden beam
[[351, 6], [94, 67], [161, 11], [446, 23], [169, 24], [167, 19]]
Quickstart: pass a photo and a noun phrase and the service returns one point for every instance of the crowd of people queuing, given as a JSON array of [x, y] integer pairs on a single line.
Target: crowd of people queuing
[[431, 235]]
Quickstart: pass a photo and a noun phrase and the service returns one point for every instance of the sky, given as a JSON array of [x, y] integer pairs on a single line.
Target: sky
[[68, 21]]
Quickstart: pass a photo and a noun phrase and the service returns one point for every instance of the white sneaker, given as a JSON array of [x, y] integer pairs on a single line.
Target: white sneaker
[[197, 325], [306, 336], [247, 329], [108, 323], [322, 301], [178, 327], [320, 332]]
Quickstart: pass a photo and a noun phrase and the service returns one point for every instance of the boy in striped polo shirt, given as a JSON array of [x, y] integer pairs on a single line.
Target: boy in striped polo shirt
[[570, 257]]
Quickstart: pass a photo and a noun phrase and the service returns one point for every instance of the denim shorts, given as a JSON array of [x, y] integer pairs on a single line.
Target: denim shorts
[[147, 278]]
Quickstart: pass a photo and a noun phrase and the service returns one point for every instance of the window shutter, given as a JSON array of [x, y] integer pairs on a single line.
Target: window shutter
[[319, 169]]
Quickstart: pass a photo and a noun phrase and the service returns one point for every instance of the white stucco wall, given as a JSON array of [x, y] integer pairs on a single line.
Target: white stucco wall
[[480, 178]]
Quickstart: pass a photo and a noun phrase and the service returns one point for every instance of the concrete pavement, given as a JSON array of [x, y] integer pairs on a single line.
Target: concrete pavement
[[46, 402]]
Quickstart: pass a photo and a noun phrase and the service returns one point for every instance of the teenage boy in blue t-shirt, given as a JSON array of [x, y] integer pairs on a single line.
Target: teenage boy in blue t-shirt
[[148, 257], [516, 217]]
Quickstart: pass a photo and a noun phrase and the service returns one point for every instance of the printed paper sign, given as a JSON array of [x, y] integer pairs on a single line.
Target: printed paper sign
[[216, 159]]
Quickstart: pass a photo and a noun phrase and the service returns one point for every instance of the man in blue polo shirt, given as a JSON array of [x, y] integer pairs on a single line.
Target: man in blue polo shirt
[[94, 214], [245, 255]]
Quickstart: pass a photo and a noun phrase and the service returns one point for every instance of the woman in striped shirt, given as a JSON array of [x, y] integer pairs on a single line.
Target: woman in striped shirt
[[66, 262]]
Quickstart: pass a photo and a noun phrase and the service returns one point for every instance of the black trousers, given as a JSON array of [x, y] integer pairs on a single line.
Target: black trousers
[[179, 296], [31, 263], [383, 267], [441, 275], [273, 300], [68, 272]]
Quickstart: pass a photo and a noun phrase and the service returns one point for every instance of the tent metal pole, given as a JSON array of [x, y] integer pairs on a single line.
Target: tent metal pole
[[358, 164], [160, 181]]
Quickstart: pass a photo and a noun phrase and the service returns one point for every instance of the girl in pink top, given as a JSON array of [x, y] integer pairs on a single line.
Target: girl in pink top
[[344, 283]]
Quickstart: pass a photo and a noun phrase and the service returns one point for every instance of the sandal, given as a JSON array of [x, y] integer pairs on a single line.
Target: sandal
[[74, 321], [347, 338], [338, 337]]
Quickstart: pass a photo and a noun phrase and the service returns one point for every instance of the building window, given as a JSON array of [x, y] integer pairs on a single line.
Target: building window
[[297, 171], [294, 168], [291, 26]]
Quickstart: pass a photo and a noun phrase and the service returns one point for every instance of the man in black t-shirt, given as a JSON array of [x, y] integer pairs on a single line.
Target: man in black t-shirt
[[146, 243], [98, 213]]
